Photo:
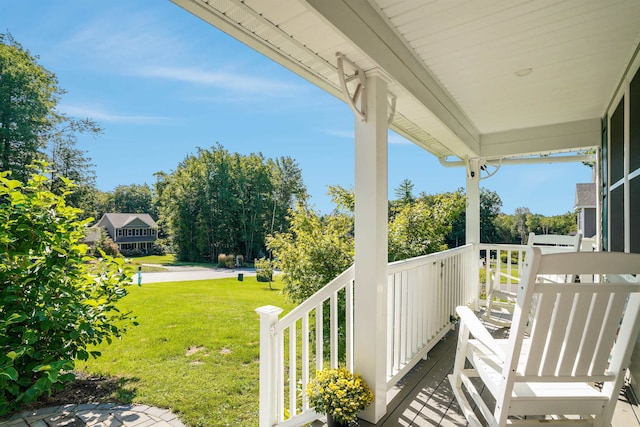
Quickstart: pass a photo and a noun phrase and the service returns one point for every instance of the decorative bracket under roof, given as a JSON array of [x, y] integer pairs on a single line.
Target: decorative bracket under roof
[[357, 80], [357, 101], [392, 108]]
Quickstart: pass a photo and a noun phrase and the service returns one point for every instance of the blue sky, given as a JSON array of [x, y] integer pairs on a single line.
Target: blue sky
[[161, 82]]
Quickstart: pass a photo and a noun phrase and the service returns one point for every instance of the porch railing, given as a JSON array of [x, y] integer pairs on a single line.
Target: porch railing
[[504, 258], [422, 295]]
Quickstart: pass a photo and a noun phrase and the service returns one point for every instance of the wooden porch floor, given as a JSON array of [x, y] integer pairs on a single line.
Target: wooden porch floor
[[424, 396]]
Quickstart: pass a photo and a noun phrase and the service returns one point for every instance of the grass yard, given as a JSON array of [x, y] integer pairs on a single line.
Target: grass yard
[[195, 351]]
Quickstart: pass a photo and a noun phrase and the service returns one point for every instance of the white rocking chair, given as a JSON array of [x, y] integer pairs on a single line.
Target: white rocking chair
[[504, 299], [582, 334]]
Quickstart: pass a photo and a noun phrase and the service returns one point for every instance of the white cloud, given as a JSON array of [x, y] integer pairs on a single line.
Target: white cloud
[[225, 80], [109, 117], [340, 133]]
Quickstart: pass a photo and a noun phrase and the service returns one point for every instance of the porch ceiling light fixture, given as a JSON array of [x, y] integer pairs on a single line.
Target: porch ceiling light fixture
[[522, 72]]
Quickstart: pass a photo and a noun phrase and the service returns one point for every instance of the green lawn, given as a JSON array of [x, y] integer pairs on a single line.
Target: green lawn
[[195, 351]]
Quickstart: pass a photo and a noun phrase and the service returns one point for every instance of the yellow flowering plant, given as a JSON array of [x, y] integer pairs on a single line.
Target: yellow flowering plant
[[340, 393]]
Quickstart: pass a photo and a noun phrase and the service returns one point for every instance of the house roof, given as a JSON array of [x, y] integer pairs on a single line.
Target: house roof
[[92, 235], [481, 78], [586, 195], [122, 220]]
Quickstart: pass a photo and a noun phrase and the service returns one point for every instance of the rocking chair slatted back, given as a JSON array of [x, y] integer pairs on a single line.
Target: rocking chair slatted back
[[564, 337]]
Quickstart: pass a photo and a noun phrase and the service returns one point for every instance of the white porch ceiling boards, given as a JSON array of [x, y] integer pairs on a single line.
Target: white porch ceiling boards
[[453, 62]]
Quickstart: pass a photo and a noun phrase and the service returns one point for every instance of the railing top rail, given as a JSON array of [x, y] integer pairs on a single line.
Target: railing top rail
[[405, 264], [503, 246], [316, 298]]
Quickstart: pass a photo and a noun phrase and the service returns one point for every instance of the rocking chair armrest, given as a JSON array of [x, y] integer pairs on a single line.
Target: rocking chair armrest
[[469, 320]]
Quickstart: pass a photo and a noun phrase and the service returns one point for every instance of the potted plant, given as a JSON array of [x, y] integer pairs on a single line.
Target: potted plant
[[339, 394]]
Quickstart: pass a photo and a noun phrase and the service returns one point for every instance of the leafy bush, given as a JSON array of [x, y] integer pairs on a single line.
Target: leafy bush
[[54, 299], [222, 260], [264, 270], [107, 245], [229, 261], [133, 252], [161, 247]]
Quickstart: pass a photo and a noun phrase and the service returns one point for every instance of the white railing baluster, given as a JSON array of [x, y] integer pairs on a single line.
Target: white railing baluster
[[349, 325], [319, 338], [280, 377], [397, 288], [292, 370], [333, 315], [390, 322], [305, 360]]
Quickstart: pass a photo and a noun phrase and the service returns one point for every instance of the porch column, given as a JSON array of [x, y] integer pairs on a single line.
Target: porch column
[[370, 338], [472, 217], [472, 220]]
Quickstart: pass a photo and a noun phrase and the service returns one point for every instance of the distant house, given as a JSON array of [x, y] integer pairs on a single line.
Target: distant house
[[131, 231], [586, 207]]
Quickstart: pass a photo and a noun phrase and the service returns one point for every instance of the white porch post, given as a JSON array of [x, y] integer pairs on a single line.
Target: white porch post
[[268, 377], [472, 225], [370, 337], [472, 218]]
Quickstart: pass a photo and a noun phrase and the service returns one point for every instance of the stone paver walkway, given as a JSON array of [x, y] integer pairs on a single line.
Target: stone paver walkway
[[95, 415]]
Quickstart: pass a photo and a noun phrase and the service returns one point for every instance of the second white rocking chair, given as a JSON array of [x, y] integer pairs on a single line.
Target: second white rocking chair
[[582, 334]]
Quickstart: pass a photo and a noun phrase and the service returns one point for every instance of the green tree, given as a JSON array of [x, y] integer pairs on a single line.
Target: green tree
[[31, 128], [132, 198], [520, 224], [29, 94], [490, 205], [314, 251], [217, 202], [55, 301], [66, 160], [29, 121], [420, 228], [404, 192], [288, 189]]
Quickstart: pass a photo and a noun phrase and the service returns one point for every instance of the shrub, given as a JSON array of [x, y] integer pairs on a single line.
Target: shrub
[[230, 261], [264, 270], [133, 252], [54, 299], [239, 261], [161, 247], [107, 245], [222, 260]]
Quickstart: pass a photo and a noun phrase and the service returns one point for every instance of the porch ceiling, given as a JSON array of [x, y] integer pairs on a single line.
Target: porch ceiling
[[453, 64]]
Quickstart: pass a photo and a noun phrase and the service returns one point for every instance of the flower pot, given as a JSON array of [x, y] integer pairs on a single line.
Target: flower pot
[[333, 423]]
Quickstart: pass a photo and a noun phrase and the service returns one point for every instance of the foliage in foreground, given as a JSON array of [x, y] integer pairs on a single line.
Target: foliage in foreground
[[54, 300]]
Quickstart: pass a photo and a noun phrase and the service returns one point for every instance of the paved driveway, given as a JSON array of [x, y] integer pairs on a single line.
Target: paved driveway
[[182, 274]]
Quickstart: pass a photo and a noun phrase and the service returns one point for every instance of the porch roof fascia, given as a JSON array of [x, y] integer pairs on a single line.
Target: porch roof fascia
[[571, 136]]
